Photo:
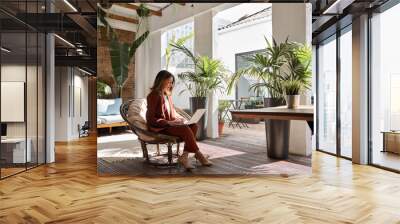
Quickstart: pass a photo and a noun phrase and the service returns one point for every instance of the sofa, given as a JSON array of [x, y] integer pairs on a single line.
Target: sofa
[[108, 114]]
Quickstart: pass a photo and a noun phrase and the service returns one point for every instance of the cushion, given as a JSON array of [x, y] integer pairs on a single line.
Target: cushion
[[113, 109], [102, 105], [137, 113], [109, 119]]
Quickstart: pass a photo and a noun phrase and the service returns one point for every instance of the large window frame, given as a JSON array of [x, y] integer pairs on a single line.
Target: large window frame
[[381, 9]]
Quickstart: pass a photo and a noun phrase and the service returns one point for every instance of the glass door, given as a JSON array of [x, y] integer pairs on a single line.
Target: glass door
[[346, 92], [22, 68], [326, 79]]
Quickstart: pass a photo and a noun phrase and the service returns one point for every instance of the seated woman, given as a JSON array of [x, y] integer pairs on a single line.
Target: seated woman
[[161, 117]]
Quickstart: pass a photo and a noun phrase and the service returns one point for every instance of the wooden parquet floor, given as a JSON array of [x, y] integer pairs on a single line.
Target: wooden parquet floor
[[70, 191]]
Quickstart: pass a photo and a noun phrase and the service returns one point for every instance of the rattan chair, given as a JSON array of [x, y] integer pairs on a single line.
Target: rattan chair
[[135, 117]]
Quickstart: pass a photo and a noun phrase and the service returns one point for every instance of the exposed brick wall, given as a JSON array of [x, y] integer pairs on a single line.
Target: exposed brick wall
[[104, 70]]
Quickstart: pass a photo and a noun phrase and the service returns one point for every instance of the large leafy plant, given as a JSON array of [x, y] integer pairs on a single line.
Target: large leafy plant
[[208, 74], [280, 68], [103, 90], [266, 67], [121, 53], [298, 68]]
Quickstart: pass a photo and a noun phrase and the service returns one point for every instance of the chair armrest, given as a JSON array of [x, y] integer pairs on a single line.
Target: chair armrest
[[153, 134]]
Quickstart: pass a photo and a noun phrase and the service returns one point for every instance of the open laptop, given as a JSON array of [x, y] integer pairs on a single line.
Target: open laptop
[[196, 117]]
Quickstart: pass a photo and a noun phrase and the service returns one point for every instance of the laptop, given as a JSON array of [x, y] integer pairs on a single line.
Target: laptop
[[196, 117]]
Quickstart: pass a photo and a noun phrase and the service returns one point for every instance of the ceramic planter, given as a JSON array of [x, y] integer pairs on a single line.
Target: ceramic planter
[[277, 133], [199, 103], [292, 101]]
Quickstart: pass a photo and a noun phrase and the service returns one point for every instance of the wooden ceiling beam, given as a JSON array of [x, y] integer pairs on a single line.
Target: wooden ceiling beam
[[122, 18], [134, 7]]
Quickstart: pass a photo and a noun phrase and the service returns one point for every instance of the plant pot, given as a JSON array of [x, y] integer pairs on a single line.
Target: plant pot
[[195, 104], [273, 102], [220, 128], [292, 101], [277, 132]]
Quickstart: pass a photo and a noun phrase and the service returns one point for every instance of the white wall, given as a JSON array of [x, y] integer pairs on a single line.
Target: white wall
[[239, 39], [69, 85], [33, 126], [293, 21]]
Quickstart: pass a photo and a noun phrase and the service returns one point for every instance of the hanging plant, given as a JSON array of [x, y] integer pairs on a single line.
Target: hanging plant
[[143, 11], [121, 53]]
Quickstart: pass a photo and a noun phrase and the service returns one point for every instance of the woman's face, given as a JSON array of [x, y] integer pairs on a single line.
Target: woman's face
[[168, 84]]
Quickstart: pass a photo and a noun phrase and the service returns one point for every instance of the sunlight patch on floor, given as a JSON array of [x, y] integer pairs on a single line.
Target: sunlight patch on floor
[[117, 138]]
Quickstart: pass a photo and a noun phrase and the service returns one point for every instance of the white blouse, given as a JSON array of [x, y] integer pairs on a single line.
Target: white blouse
[[167, 104]]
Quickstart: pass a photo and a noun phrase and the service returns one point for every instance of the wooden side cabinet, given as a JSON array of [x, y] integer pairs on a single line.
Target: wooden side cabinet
[[391, 141]]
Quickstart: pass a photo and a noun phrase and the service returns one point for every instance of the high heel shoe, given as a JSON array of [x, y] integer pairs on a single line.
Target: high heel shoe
[[203, 159], [184, 161]]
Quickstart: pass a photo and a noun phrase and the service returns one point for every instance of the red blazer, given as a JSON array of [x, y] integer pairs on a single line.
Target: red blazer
[[157, 114]]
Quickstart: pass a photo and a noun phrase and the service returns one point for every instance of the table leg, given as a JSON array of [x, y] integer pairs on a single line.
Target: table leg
[[277, 137]]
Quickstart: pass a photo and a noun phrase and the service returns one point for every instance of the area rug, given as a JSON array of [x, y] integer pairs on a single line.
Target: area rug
[[122, 155]]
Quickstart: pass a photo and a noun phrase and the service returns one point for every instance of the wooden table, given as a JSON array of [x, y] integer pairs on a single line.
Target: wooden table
[[278, 123], [278, 113]]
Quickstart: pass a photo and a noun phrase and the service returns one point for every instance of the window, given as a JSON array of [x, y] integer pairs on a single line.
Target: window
[[178, 60], [385, 89], [244, 83]]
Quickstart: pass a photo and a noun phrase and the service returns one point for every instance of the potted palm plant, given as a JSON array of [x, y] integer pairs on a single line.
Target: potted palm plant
[[207, 76], [267, 68], [298, 78]]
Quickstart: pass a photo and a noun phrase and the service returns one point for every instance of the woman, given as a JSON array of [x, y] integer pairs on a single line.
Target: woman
[[161, 117]]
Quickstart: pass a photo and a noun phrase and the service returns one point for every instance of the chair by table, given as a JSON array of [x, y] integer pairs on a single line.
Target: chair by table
[[237, 105]]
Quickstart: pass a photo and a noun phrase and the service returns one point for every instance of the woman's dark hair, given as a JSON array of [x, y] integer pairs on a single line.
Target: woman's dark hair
[[160, 78]]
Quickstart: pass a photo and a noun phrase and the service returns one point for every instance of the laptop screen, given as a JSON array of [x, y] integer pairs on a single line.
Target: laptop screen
[[3, 129]]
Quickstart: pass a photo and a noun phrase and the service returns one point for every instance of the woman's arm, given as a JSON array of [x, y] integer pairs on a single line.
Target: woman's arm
[[153, 108]]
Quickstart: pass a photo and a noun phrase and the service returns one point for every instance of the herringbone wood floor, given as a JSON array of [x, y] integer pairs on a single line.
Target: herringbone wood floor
[[70, 191]]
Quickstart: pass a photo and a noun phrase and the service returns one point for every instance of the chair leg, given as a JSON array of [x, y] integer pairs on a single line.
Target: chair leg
[[177, 148], [169, 153], [145, 152], [158, 149]]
